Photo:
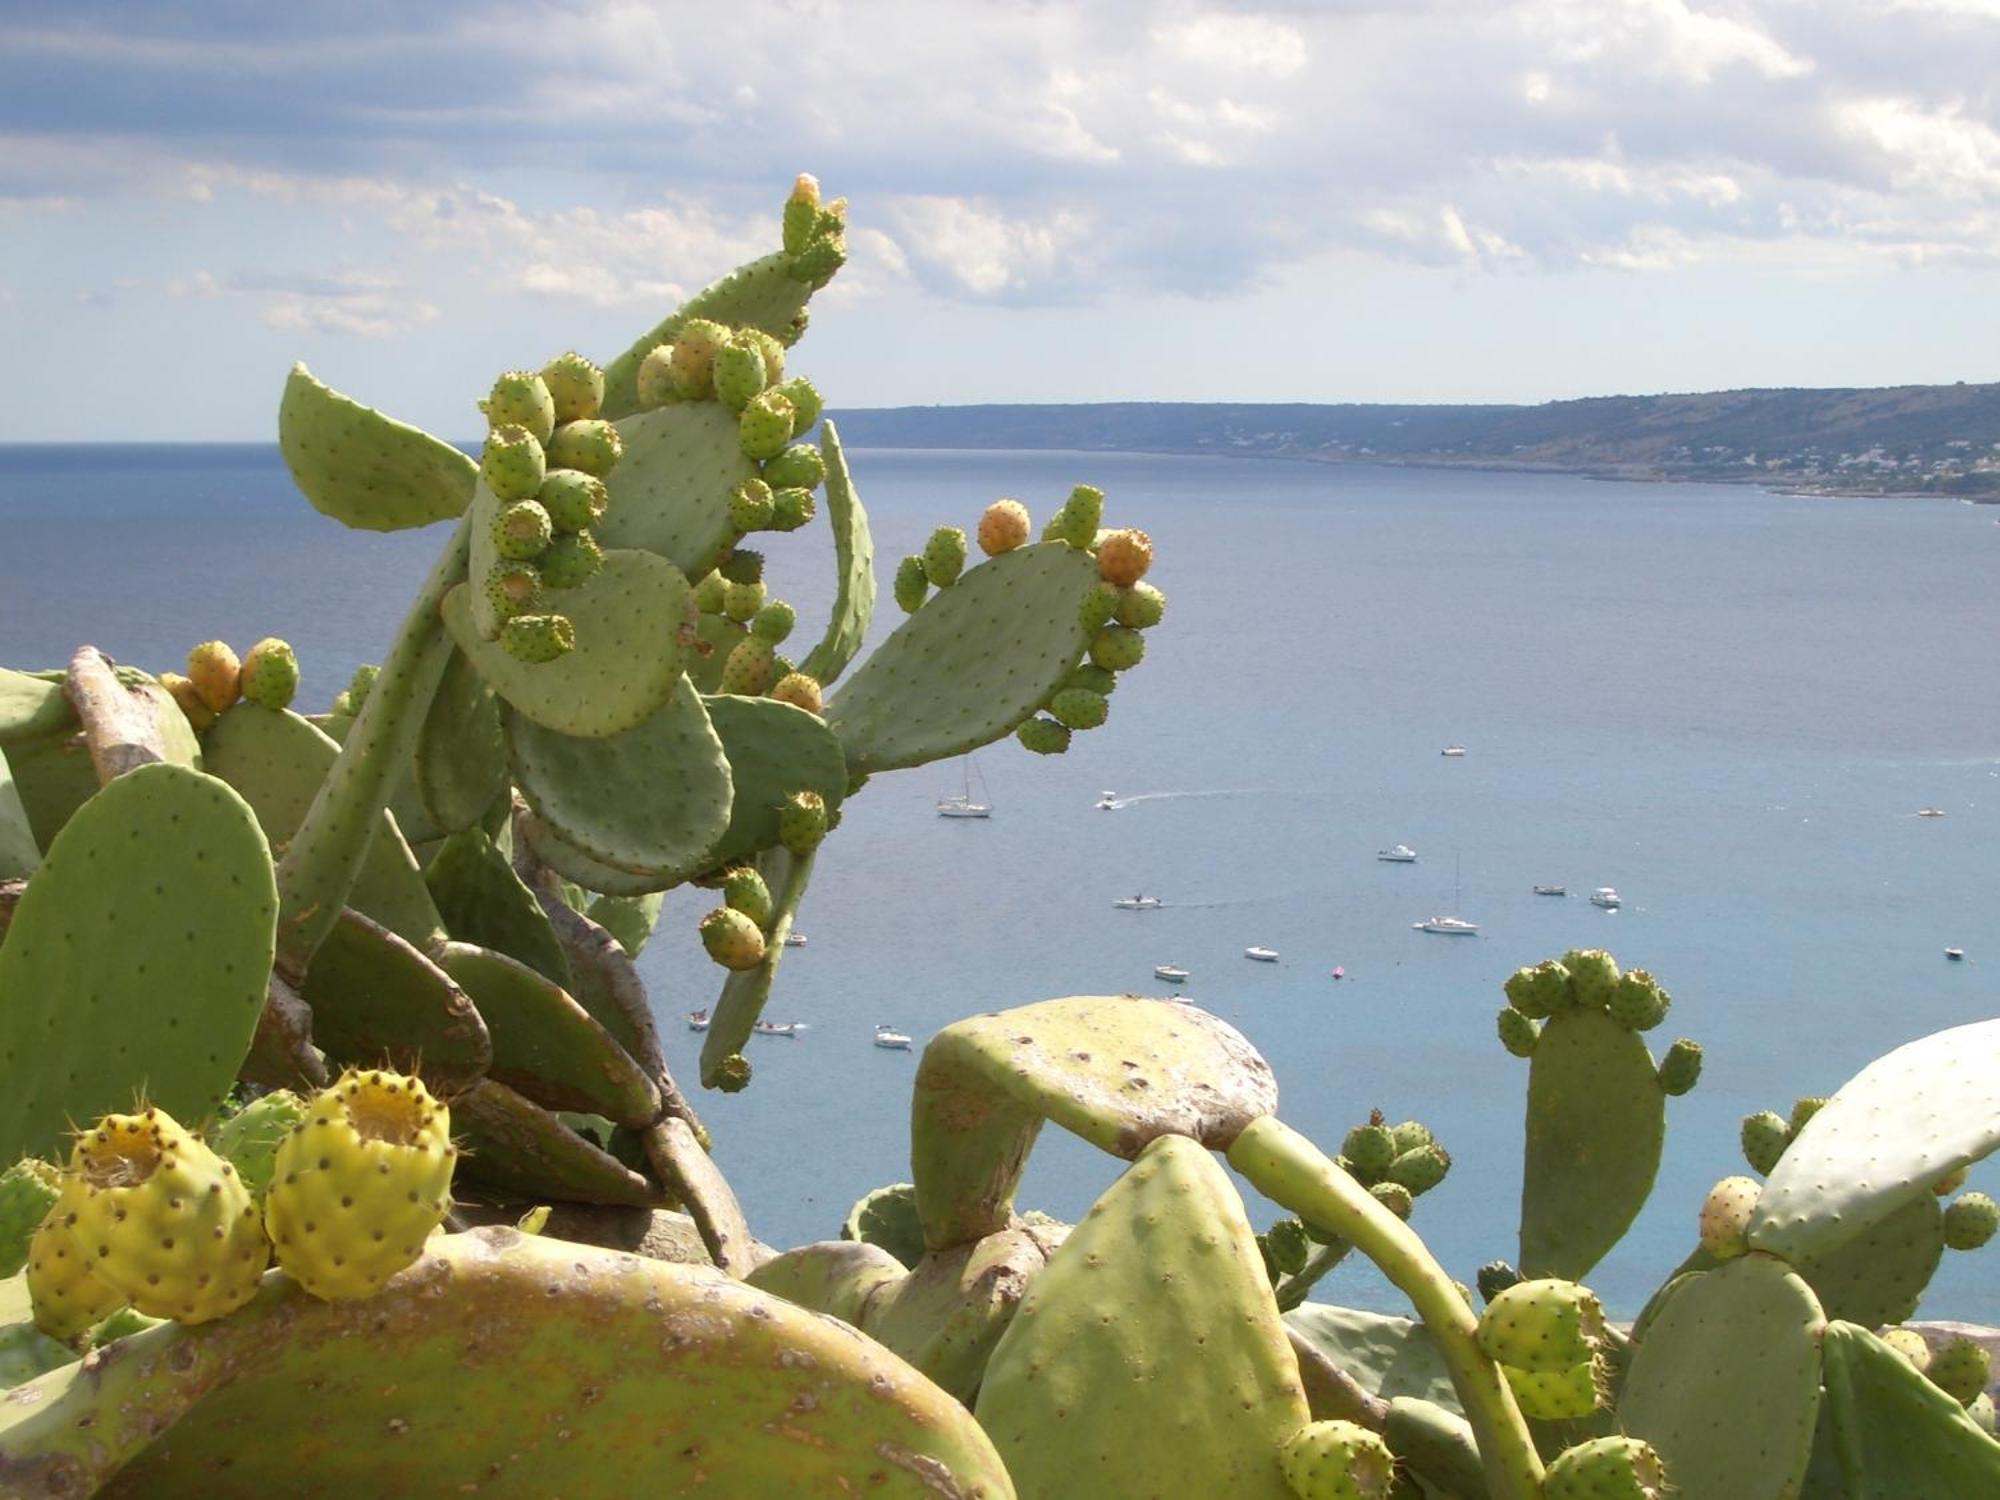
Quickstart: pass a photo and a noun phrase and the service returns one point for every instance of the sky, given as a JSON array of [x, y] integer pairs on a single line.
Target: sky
[[1410, 200]]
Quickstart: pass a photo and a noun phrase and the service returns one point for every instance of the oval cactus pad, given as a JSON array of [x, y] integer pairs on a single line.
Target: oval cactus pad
[[854, 567], [670, 492], [366, 470]]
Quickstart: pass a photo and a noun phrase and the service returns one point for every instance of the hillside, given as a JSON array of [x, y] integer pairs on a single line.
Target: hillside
[[1939, 439]]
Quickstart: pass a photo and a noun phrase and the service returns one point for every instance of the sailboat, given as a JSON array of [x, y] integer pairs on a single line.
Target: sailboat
[[1450, 926], [963, 805]]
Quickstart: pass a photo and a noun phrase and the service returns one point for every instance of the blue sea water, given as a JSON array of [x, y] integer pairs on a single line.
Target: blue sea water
[[1725, 703]]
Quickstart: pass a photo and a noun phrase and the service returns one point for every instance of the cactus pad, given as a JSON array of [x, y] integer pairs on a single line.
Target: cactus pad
[[670, 493], [366, 470], [483, 901], [1879, 1276], [19, 854], [947, 1315], [835, 1277], [888, 1217], [854, 570], [1894, 1433], [514, 1144], [1389, 1356], [774, 750], [559, 854], [376, 1000], [461, 758]]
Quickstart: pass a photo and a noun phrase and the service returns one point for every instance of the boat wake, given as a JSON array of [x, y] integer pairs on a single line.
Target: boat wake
[[1111, 803]]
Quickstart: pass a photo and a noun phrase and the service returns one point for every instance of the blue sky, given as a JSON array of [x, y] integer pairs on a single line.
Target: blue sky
[[1411, 200]]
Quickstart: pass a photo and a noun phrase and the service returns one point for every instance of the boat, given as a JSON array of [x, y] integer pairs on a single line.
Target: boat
[[1551, 890], [1930, 812], [965, 805], [1137, 903], [1261, 955], [1339, 972], [1605, 897], [1448, 926], [1453, 750], [1402, 854], [894, 1040], [795, 940], [1108, 802], [1169, 972], [1956, 955], [778, 1028], [697, 1020]]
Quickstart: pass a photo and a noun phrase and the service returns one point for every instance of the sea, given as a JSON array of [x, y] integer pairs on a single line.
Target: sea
[[1725, 703]]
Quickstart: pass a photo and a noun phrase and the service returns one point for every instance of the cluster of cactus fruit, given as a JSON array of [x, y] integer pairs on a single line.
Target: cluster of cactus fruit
[[330, 942]]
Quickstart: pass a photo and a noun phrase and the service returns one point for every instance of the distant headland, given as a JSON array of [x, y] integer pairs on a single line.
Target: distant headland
[[1894, 440]]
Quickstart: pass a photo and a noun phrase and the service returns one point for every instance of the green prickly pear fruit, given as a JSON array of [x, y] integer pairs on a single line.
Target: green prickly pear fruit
[[198, 714], [172, 1227], [1539, 992], [1142, 606], [1546, 1325], [1092, 679], [744, 890], [1983, 1414], [361, 683], [271, 673], [944, 556], [1765, 1136], [802, 822], [521, 399], [216, 674], [741, 601], [513, 463], [1607, 1468], [1637, 1001], [1421, 1169], [1593, 975], [1803, 1110], [28, 1190], [1079, 708], [792, 508], [571, 560], [1043, 736], [732, 1074], [1337, 1460], [360, 1183], [806, 402], [774, 621], [1003, 526], [1518, 1034], [513, 588], [739, 372], [1726, 1214], [1411, 1135], [750, 505], [1077, 521], [1117, 648], [1680, 1069], [732, 939], [801, 214], [1911, 1345], [250, 1138], [1970, 1221], [798, 467], [782, 666], [765, 426], [66, 1295], [747, 672], [522, 530], [708, 593], [1370, 1148], [742, 566], [773, 351], [576, 386], [800, 690], [1393, 1196], [656, 384], [1123, 557], [574, 500], [691, 360], [538, 638], [913, 584], [1495, 1277], [590, 445], [1961, 1369], [1556, 1395], [1285, 1248]]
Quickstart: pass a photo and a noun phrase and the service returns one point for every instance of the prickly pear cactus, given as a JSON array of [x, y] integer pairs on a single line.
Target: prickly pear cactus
[[364, 469]]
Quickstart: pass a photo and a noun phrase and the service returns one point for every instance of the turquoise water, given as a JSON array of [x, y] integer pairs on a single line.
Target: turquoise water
[[1727, 704]]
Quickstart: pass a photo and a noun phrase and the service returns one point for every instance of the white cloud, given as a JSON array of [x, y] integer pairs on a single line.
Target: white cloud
[[1242, 43], [985, 253]]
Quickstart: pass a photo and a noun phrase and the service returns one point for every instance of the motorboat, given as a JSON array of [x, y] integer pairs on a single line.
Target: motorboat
[[1453, 750], [1339, 972], [1448, 926], [1605, 897], [1402, 854], [1551, 890], [697, 1020], [1172, 973], [1930, 812], [1956, 955], [894, 1040], [1137, 903], [965, 805], [778, 1028], [1261, 955], [795, 940], [1108, 802]]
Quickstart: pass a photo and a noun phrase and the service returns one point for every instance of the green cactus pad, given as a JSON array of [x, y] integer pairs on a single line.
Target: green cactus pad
[[854, 571], [760, 295], [1726, 1383], [378, 1001], [630, 919], [278, 762], [670, 493], [48, 761], [627, 619], [1894, 1434], [1879, 1276], [1095, 1368], [570, 862], [1437, 1444], [483, 901], [1389, 1356], [366, 470], [774, 749], [136, 960], [513, 1144], [947, 1315], [1117, 1070], [1899, 1126], [1596, 1123], [505, 1364], [461, 759], [547, 1047], [969, 666], [835, 1277], [653, 800], [745, 992], [606, 983], [888, 1217], [19, 854]]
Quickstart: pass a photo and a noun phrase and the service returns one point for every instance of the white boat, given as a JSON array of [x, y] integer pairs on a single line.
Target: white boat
[[778, 1028], [1954, 954], [1930, 812], [697, 1020], [888, 1036], [965, 805], [795, 940], [1108, 802], [1169, 972], [1137, 903], [1551, 890], [1448, 926], [1453, 750], [1605, 897], [1261, 955], [1402, 854]]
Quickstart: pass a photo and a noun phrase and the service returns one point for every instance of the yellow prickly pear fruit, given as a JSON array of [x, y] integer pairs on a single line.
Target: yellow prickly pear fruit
[[1004, 526], [1123, 557], [656, 381], [68, 1297], [198, 714], [801, 213], [576, 386], [732, 939], [1911, 1345], [1607, 1468], [1547, 1325], [691, 359], [168, 1223], [216, 674], [1336, 1460], [524, 400], [1555, 1395], [799, 690], [360, 1183], [1725, 1216], [271, 673]]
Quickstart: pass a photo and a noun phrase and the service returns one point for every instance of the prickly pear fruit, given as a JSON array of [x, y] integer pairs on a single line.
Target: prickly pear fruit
[[513, 588], [691, 361], [741, 601], [744, 890], [1606, 1468], [802, 822], [1950, 1183], [798, 467], [1393, 1196], [782, 666], [1285, 1247], [538, 638], [1098, 607], [1079, 708], [1142, 607], [28, 1190], [655, 383], [944, 556], [1495, 1277], [1803, 1110], [171, 1225], [1544, 1325], [708, 593], [912, 584], [1422, 1169], [806, 402], [1411, 1135], [576, 386], [1680, 1069], [360, 1183], [1043, 736], [1518, 1034], [360, 684], [1961, 1369], [198, 714], [1123, 557], [747, 671], [1117, 649], [249, 1139], [774, 621], [1370, 1148], [750, 505], [67, 1296], [1078, 519], [1638, 1001], [1981, 1410], [271, 673], [773, 351], [521, 399], [1911, 1345], [732, 1074], [799, 690], [1593, 975], [216, 674], [1003, 526], [522, 530], [590, 445], [1337, 1460], [513, 463], [739, 373], [1970, 1221], [801, 213], [571, 560], [1538, 992], [1555, 1395], [765, 426], [743, 565], [1092, 679], [791, 508], [1725, 1216], [574, 500], [1765, 1136], [732, 939]]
